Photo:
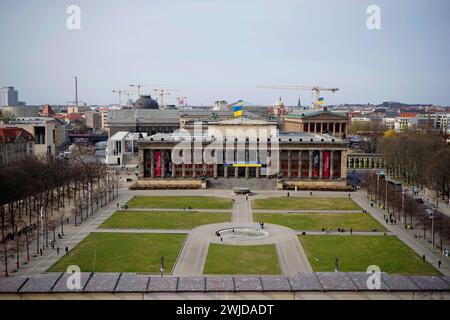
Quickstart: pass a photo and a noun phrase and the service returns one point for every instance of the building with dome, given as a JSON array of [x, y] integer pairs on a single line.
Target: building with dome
[[146, 102]]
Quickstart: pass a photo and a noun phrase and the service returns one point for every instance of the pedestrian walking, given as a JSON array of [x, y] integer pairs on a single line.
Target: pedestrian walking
[[423, 257], [439, 264], [349, 195], [262, 225], [351, 230], [40, 251], [221, 239], [67, 249], [288, 194], [310, 193], [117, 205], [57, 251]]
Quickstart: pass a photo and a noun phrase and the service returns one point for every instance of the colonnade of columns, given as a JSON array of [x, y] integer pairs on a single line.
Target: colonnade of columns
[[365, 162], [292, 164]]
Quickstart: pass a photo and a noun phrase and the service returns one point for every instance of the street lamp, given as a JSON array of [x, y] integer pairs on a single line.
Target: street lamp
[[431, 215]]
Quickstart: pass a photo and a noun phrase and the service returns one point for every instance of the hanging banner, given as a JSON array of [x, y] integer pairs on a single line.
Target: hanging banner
[[158, 167], [326, 164], [316, 164]]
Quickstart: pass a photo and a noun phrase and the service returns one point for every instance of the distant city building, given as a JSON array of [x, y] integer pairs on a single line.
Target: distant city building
[[47, 111], [44, 131], [323, 122], [9, 97], [22, 111], [144, 120], [79, 109], [220, 105], [15, 144], [93, 120]]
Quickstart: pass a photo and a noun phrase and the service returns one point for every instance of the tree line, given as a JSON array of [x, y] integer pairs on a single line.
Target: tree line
[[405, 209], [419, 158], [39, 196]]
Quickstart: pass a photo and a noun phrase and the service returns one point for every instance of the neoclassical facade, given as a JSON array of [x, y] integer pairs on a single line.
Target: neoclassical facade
[[246, 150]]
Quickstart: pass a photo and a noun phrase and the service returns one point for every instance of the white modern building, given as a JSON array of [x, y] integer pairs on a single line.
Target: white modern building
[[122, 148]]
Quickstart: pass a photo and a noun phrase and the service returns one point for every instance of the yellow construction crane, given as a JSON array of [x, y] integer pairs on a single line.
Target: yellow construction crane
[[315, 90]]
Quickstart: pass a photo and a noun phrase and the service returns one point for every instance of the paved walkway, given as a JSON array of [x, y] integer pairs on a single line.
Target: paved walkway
[[419, 246], [72, 236], [242, 210], [192, 259], [306, 211], [178, 210], [356, 233]]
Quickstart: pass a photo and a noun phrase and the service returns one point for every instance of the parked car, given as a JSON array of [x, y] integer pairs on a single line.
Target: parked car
[[419, 200]]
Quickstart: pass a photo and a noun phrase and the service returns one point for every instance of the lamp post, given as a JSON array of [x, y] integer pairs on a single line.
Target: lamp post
[[431, 215], [162, 266], [403, 205]]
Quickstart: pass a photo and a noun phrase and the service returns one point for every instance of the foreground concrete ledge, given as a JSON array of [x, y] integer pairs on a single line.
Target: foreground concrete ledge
[[302, 282]]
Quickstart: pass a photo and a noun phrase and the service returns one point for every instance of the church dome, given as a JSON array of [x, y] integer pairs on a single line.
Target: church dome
[[146, 102]]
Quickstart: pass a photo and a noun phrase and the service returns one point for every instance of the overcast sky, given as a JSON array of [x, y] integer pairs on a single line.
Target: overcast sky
[[222, 49]]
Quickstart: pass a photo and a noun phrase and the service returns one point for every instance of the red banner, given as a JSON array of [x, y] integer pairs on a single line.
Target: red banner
[[326, 164], [158, 167]]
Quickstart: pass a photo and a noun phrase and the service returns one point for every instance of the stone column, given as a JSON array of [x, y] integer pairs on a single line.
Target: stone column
[[236, 172], [183, 170], [193, 164], [258, 169], [299, 168], [331, 163], [173, 170], [141, 163], [310, 164], [215, 171], [225, 171], [321, 165], [315, 127], [334, 129], [152, 164], [289, 164], [343, 162]]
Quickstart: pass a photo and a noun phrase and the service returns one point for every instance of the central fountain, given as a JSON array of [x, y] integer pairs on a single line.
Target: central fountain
[[242, 233]]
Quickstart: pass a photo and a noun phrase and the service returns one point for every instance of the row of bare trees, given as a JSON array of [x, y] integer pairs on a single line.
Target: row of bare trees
[[38, 196], [404, 208], [419, 158]]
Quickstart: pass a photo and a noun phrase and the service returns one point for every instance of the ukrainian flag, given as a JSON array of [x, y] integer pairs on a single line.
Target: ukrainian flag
[[238, 109], [321, 100]]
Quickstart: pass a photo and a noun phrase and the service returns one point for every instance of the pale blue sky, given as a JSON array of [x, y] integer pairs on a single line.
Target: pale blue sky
[[221, 49]]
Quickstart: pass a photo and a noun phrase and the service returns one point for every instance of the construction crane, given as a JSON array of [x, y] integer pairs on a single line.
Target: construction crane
[[139, 86], [315, 90], [119, 93], [162, 93]]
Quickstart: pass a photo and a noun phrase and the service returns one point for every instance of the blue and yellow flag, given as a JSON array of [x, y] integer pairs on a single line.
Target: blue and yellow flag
[[238, 109], [321, 100]]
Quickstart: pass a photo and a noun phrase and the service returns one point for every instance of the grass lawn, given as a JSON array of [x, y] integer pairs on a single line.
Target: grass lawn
[[228, 259], [169, 202], [356, 253], [317, 221], [164, 219], [305, 203], [123, 252]]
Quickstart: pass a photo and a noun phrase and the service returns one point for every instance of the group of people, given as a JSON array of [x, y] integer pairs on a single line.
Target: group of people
[[390, 219]]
